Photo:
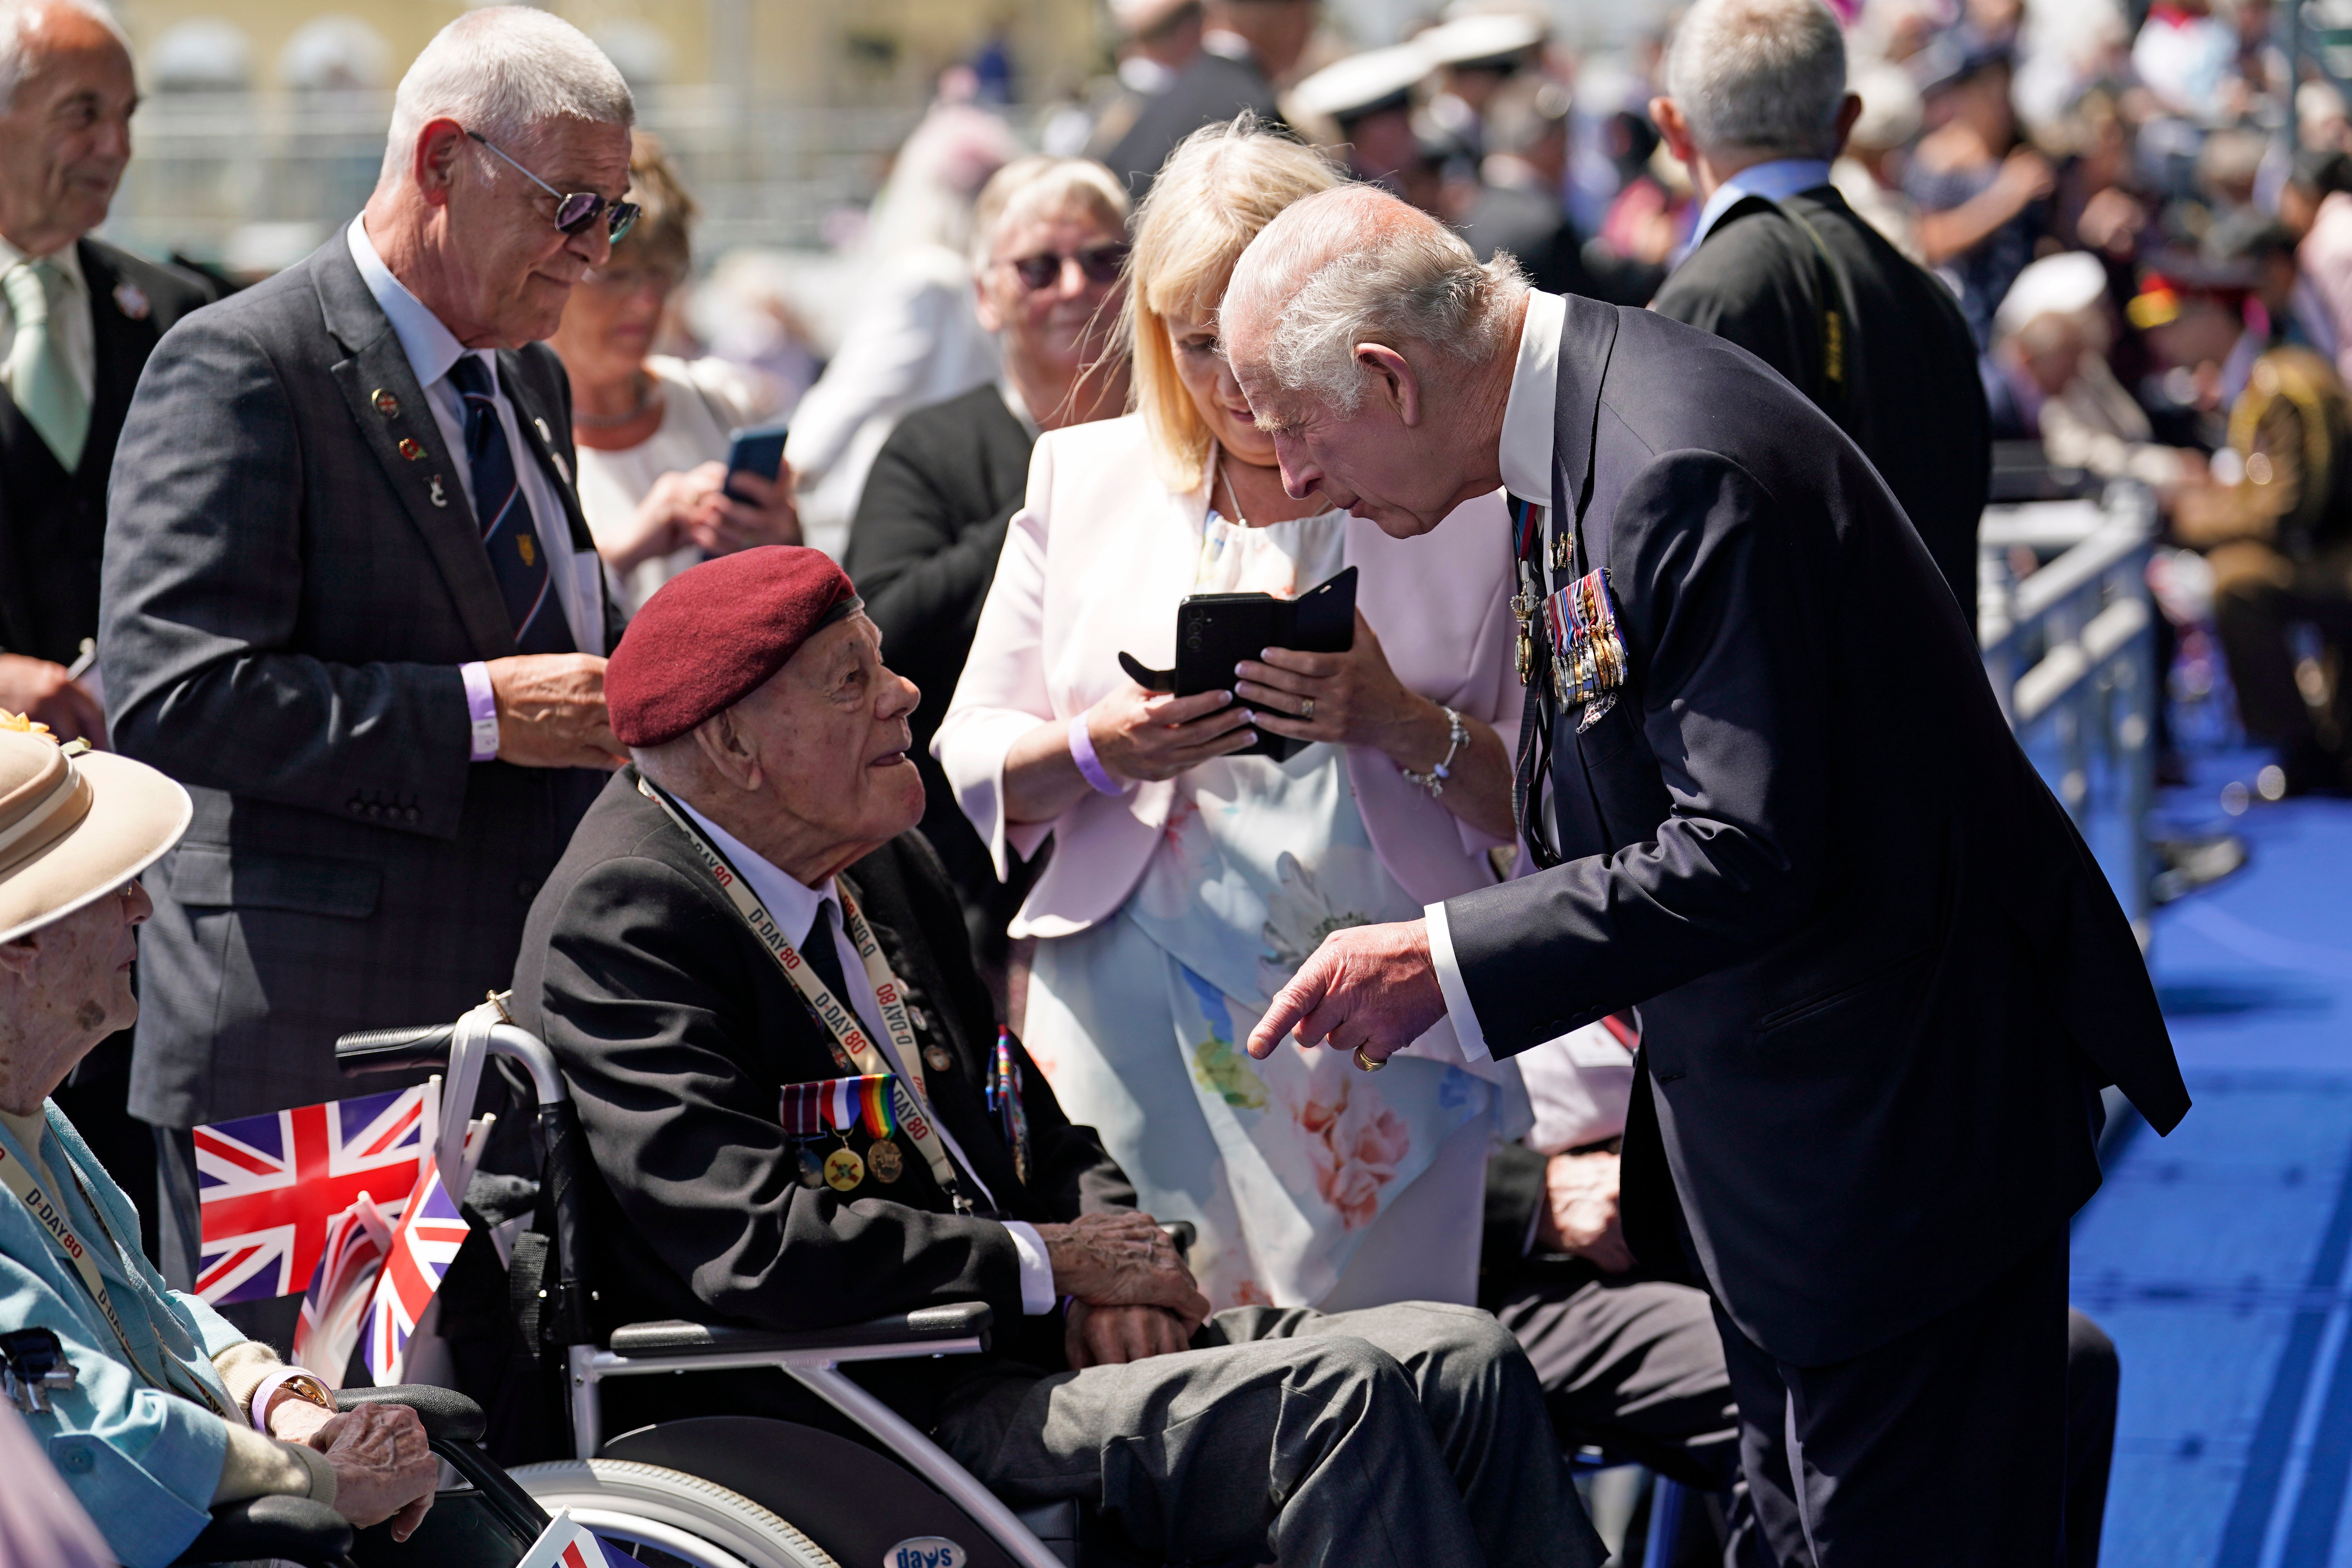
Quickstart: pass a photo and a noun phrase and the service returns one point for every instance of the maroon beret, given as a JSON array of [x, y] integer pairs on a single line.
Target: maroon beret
[[714, 632]]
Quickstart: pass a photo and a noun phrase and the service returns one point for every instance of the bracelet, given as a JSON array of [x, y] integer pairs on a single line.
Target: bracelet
[[1082, 752], [302, 1383], [1434, 780]]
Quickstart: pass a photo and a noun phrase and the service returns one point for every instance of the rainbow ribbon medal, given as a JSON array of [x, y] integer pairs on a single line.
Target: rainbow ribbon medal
[[1004, 1090], [1588, 664]]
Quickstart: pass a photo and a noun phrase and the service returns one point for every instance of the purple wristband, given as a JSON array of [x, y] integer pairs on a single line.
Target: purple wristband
[[1082, 752], [481, 712], [257, 1411]]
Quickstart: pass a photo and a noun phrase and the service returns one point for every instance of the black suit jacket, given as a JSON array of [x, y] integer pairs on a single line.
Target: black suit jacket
[[285, 605], [677, 1033], [1212, 89], [1880, 976], [923, 550], [53, 523], [1914, 403]]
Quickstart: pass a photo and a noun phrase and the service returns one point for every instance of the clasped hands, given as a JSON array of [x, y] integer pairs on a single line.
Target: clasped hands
[[382, 1467], [1131, 1297]]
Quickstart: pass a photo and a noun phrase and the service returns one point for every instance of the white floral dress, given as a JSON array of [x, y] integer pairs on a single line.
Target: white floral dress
[[1313, 1183]]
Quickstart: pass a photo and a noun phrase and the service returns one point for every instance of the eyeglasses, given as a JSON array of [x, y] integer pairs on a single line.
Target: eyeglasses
[[1100, 263], [578, 210]]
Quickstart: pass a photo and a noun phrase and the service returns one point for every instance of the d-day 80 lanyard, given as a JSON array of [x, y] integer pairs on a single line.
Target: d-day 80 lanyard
[[913, 1105], [48, 1211]]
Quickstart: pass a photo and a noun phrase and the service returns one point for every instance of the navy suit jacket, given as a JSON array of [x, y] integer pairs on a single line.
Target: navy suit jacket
[[1881, 978]]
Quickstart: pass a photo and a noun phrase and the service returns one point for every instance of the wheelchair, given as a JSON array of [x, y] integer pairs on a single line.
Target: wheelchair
[[705, 1492]]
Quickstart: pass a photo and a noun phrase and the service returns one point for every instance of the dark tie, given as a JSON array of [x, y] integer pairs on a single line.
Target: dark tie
[[1535, 716], [517, 557], [824, 955]]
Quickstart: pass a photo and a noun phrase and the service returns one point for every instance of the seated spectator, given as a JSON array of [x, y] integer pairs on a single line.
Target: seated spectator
[[1051, 239], [769, 741], [171, 1411], [2280, 544], [1634, 1363], [1187, 883], [2050, 338], [652, 429]]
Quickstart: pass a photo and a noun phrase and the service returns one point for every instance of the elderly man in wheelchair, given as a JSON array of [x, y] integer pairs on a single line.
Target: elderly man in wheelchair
[[154, 1412], [802, 1114]]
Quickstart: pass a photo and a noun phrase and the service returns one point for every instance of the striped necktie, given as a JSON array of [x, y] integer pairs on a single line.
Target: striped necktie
[[38, 378], [516, 554], [1534, 659]]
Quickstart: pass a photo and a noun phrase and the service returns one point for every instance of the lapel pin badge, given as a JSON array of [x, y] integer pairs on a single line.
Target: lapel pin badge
[[385, 403], [410, 449], [131, 301], [440, 498]]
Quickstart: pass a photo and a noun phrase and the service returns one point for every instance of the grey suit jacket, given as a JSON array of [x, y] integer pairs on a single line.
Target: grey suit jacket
[[284, 609]]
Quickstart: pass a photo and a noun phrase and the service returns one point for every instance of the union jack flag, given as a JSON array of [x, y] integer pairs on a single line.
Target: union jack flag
[[423, 1244], [568, 1544], [269, 1186], [343, 1288]]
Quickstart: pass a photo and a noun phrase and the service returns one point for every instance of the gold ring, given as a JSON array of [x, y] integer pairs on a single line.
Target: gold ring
[[1367, 1063], [1307, 709]]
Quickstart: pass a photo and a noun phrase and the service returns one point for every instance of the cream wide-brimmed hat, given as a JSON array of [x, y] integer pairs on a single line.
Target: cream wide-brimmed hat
[[74, 828]]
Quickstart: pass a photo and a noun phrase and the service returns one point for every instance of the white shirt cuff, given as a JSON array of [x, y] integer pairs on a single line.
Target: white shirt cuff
[[1037, 1297], [481, 711], [1465, 1018]]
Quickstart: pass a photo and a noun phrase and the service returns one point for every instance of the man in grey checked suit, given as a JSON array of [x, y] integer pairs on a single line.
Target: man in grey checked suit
[[391, 714]]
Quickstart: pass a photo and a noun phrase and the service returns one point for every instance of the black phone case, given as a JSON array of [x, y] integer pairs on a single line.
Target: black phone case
[[1216, 631]]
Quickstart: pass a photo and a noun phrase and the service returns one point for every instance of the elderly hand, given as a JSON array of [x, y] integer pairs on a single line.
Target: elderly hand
[[663, 520], [1351, 698], [383, 1468], [1368, 986], [1123, 1260], [722, 524], [1114, 1336], [552, 711], [1581, 1215], [42, 692], [1140, 734]]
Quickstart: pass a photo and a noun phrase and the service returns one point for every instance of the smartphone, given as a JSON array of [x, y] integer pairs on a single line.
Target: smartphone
[[755, 450]]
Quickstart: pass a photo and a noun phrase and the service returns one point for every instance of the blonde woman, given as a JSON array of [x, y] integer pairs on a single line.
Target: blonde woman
[[1186, 883]]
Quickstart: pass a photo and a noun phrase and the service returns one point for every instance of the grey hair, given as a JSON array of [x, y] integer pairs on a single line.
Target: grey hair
[[17, 53], [1760, 74], [1341, 267], [502, 71]]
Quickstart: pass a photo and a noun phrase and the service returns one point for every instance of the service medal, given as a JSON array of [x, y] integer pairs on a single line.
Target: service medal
[[844, 1170], [812, 1171], [884, 1156], [936, 1057]]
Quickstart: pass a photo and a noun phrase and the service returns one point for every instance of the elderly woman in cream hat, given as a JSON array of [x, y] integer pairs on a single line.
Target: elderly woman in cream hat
[[169, 1410]]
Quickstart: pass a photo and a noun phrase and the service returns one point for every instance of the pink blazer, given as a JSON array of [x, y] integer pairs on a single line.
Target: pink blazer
[[1094, 563]]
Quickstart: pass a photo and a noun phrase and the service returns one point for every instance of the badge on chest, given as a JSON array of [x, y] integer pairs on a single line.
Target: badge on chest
[[1588, 651]]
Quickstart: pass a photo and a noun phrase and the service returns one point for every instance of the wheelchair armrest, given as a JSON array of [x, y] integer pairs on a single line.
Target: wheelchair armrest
[[293, 1528], [673, 1336], [448, 1416]]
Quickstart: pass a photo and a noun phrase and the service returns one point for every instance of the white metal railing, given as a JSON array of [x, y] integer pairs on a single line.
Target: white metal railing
[[2075, 643]]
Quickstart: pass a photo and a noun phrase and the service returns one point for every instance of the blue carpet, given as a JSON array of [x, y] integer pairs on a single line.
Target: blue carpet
[[2220, 1258]]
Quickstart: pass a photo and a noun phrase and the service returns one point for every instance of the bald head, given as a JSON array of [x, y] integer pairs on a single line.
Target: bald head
[[66, 99], [1377, 351]]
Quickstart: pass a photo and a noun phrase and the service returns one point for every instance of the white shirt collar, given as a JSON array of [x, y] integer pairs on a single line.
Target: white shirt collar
[[431, 347], [793, 904], [1528, 414], [66, 258], [1776, 181]]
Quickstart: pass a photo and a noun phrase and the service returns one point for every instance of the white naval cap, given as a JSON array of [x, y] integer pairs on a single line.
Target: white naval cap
[[1350, 89], [2058, 285], [1476, 36]]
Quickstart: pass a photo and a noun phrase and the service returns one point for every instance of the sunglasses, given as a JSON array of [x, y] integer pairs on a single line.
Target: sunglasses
[[578, 210], [1100, 263]]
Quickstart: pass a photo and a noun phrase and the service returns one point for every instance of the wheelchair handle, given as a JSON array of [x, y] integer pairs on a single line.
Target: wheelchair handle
[[394, 1050]]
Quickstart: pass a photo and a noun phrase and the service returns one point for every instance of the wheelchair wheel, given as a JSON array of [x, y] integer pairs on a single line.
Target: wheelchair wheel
[[668, 1518]]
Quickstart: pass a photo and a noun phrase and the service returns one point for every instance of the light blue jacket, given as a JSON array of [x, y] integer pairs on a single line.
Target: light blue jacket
[[144, 1464]]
